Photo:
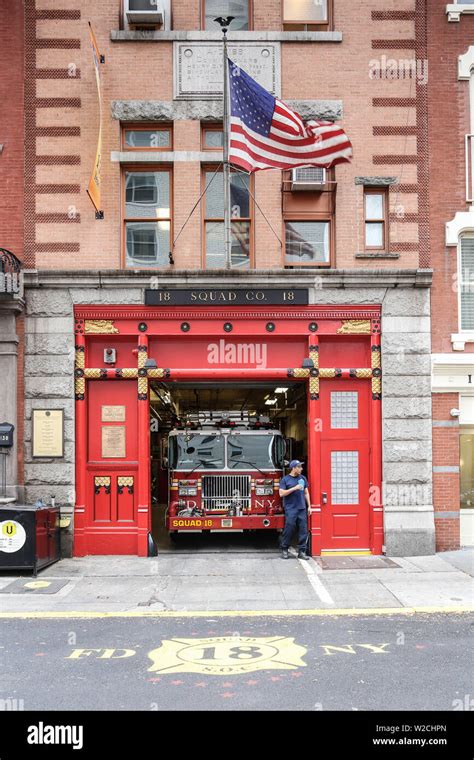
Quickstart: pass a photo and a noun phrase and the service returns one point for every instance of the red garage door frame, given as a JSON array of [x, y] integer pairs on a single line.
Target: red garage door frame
[[112, 511]]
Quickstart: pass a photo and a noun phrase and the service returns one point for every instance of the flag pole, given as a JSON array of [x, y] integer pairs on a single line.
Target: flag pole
[[224, 22]]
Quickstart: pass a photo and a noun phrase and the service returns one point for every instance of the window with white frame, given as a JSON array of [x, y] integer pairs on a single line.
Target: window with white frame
[[147, 218], [466, 282]]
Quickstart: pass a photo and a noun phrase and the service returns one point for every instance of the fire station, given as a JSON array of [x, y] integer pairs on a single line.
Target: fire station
[[159, 386], [185, 415]]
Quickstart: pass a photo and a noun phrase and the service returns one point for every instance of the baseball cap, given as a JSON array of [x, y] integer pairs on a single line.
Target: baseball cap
[[295, 463]]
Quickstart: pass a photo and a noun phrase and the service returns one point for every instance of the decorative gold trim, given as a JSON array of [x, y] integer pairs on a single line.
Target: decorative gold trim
[[376, 385], [142, 357], [79, 386], [354, 326], [376, 359], [143, 385], [363, 374], [314, 386], [129, 372], [300, 372], [92, 374], [125, 481], [99, 326], [314, 355], [102, 481], [327, 373], [158, 372], [80, 359]]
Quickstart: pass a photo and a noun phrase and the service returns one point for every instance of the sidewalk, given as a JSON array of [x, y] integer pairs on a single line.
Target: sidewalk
[[251, 582]]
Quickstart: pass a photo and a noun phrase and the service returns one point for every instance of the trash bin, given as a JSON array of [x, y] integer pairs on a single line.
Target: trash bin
[[29, 537]]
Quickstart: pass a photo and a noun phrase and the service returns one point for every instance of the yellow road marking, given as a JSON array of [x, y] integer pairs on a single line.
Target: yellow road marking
[[37, 584], [238, 613]]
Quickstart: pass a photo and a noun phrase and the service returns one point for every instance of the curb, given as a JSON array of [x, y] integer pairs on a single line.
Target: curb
[[239, 613]]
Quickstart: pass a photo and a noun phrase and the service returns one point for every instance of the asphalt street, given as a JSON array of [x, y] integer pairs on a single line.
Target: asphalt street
[[308, 663]]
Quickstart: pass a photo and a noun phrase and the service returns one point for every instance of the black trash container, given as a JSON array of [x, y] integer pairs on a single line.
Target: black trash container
[[29, 537]]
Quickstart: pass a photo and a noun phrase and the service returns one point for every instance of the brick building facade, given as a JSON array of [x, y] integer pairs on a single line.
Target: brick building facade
[[361, 241], [450, 56]]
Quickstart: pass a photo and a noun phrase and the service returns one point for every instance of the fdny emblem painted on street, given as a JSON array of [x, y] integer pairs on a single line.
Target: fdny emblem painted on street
[[226, 655]]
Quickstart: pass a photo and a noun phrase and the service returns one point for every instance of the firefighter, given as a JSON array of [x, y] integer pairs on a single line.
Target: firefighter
[[294, 490]]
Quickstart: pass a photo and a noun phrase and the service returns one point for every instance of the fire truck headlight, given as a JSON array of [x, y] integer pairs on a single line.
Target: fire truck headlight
[[263, 490], [187, 491]]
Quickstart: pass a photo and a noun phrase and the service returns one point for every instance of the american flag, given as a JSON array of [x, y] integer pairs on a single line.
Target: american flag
[[266, 134]]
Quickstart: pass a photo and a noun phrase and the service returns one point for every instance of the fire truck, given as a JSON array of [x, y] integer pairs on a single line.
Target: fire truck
[[224, 474]]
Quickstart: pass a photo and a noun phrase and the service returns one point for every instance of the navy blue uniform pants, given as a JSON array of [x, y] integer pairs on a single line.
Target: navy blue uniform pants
[[295, 519]]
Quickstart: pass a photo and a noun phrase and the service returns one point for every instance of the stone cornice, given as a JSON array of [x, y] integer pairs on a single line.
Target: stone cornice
[[210, 110], [309, 278], [197, 36]]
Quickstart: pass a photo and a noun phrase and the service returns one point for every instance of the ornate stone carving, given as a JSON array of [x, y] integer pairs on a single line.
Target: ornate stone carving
[[100, 326], [354, 326]]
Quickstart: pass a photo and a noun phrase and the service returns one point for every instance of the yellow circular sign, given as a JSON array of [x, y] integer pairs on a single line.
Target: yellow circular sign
[[9, 529]]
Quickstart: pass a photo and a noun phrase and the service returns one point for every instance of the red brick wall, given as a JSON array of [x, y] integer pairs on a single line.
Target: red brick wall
[[11, 126], [448, 103], [383, 118], [446, 484]]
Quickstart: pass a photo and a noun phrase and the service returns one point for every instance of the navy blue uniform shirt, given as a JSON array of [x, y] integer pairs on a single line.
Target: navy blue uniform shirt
[[296, 500]]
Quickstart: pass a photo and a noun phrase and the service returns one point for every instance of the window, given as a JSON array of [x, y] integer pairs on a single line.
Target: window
[[212, 137], [307, 243], [306, 15], [146, 138], [241, 224], [466, 283], [147, 219], [467, 470], [375, 205], [214, 8]]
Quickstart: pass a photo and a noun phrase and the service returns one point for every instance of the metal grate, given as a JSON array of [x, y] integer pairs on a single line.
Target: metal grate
[[345, 477], [220, 492], [10, 272]]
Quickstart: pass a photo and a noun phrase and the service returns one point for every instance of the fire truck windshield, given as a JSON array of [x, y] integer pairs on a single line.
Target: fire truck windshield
[[228, 451], [256, 450], [200, 452]]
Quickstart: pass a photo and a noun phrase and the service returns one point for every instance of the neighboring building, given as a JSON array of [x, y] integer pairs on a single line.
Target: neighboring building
[[12, 171], [451, 128], [352, 252]]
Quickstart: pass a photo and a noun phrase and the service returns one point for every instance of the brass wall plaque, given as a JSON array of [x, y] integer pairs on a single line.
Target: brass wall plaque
[[48, 433], [113, 441], [113, 414]]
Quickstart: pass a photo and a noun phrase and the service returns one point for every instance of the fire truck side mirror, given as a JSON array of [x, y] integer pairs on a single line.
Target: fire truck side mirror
[[166, 463]]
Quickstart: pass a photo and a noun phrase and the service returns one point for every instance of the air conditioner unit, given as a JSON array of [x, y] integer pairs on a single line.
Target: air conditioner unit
[[308, 178], [144, 12]]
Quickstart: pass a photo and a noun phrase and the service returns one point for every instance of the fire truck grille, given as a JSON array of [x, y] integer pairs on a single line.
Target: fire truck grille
[[221, 492]]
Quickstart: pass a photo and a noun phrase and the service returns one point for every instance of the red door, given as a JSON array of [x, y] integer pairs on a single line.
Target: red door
[[111, 519], [345, 413]]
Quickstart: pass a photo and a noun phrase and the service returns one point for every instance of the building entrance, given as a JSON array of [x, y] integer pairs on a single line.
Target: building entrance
[[142, 373]]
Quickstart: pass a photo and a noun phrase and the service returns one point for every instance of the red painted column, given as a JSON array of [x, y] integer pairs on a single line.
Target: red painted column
[[143, 491], [376, 497], [314, 450], [80, 547]]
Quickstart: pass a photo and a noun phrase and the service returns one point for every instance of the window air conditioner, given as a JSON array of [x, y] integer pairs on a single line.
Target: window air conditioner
[[308, 178], [144, 12]]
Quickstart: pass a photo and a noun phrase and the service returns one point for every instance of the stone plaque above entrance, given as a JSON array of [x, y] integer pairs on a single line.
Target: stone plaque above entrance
[[198, 67], [223, 296]]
